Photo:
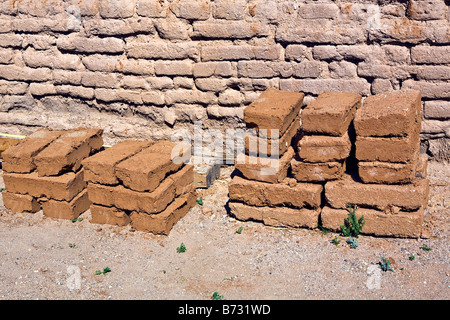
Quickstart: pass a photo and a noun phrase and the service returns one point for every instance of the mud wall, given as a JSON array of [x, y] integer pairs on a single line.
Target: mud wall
[[142, 68]]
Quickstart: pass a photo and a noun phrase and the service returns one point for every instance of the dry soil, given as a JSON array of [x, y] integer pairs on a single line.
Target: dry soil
[[261, 262]]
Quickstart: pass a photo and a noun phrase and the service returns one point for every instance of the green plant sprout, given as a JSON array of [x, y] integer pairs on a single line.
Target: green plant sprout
[[239, 230], [352, 242], [216, 296], [336, 241], [200, 201], [181, 248], [385, 265], [104, 272], [425, 247], [352, 225]]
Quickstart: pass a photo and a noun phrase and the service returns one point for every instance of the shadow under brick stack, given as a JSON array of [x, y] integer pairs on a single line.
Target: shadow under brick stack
[[261, 190], [137, 183], [44, 171], [390, 186]]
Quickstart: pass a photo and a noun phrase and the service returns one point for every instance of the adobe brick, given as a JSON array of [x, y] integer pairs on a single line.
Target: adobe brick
[[145, 170], [163, 222], [316, 172], [63, 187], [274, 109], [287, 193], [100, 167], [276, 217], [378, 223], [109, 215], [67, 152], [65, 209], [331, 113], [319, 148], [20, 158], [20, 202], [347, 191], [265, 169], [389, 114]]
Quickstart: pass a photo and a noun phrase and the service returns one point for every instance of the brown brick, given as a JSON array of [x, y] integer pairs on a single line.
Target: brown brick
[[100, 167], [149, 202], [389, 114], [277, 217], [319, 148], [331, 113], [386, 172], [265, 169], [389, 149], [229, 30], [145, 170], [109, 215], [63, 187], [66, 153], [284, 142], [20, 158], [346, 191], [315, 172], [274, 109], [20, 202], [6, 143], [287, 193], [163, 222], [378, 223], [64, 209]]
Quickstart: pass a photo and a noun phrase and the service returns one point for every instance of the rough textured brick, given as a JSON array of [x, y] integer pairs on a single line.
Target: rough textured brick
[[241, 52], [331, 113], [316, 172], [229, 30], [192, 10], [438, 109], [20, 158], [277, 217], [189, 96], [321, 34], [318, 11], [90, 45], [317, 86], [20, 202], [296, 52], [67, 151], [49, 59], [163, 50], [173, 68], [319, 148], [288, 193], [109, 215], [430, 54], [11, 40], [346, 191], [208, 69], [378, 223], [40, 89], [151, 8], [389, 114], [64, 187], [75, 91], [235, 10], [116, 27], [116, 8], [274, 109], [432, 90], [433, 73], [173, 29], [13, 72], [427, 9], [100, 167], [266, 170], [64, 209], [97, 79]]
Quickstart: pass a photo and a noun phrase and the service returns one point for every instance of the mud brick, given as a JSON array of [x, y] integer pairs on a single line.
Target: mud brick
[[6, 143], [320, 148], [100, 167], [270, 170], [20, 158], [289, 193], [20, 202], [387, 149], [278, 216], [347, 191], [109, 215], [405, 224], [389, 114], [274, 109], [331, 113], [153, 202], [263, 143], [163, 222], [316, 172], [205, 174], [63, 187], [145, 170], [66, 209], [66, 153]]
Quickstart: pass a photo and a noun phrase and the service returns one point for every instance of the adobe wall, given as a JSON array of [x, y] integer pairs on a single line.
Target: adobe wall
[[142, 68]]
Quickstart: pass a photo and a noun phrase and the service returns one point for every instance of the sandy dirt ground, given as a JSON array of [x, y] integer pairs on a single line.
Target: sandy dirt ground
[[41, 258]]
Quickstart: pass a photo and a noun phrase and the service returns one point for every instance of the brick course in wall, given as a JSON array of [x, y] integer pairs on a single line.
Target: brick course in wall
[[141, 68]]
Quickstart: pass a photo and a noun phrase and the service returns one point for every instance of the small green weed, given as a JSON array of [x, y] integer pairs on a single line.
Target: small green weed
[[77, 219], [181, 248], [2, 189], [385, 265], [352, 242], [336, 241], [104, 272], [425, 247], [239, 230], [411, 257], [73, 246], [200, 201], [216, 296], [352, 225]]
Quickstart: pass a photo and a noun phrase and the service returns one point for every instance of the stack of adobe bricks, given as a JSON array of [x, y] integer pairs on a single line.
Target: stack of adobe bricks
[[140, 183], [390, 185], [44, 171], [262, 190], [325, 143]]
